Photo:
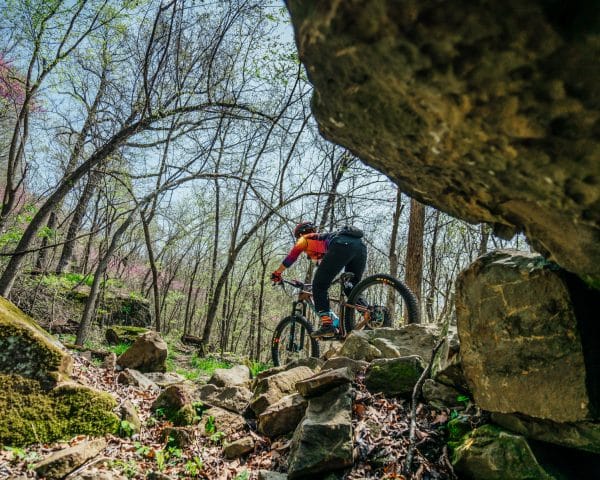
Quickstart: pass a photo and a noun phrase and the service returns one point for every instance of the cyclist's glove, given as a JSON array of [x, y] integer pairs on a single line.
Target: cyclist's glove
[[276, 277]]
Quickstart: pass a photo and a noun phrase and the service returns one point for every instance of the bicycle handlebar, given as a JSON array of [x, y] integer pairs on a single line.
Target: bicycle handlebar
[[296, 283]]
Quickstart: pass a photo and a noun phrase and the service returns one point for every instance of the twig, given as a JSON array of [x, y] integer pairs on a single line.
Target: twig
[[87, 465], [413, 409]]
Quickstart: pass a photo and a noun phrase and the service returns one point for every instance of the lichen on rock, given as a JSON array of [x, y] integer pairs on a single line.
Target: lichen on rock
[[30, 414]]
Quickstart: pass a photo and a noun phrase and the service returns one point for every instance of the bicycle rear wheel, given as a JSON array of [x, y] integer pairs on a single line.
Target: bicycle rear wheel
[[292, 341], [388, 301]]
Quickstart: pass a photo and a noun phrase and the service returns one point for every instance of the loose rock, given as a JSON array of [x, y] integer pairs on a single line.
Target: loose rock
[[229, 377], [326, 380], [238, 448], [147, 354], [282, 417], [61, 463]]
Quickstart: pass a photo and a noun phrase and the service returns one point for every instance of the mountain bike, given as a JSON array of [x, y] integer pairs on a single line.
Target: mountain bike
[[379, 300]]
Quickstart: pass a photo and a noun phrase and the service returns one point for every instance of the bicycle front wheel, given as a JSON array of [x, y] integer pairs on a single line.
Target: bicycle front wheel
[[385, 302], [292, 341]]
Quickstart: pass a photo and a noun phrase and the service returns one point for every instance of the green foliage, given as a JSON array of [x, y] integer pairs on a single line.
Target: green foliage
[[78, 278], [161, 458], [46, 232], [126, 429], [119, 349], [141, 449], [257, 367], [210, 426], [245, 475], [11, 237], [208, 364], [66, 337], [128, 468], [22, 455], [194, 467], [67, 281], [217, 437]]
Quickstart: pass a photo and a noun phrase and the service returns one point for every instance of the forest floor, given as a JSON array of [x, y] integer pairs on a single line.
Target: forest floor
[[381, 439]]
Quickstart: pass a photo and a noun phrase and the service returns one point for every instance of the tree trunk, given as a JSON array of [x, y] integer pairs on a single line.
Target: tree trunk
[[154, 269], [414, 251], [76, 219], [485, 235], [431, 292], [90, 305], [393, 251], [42, 259]]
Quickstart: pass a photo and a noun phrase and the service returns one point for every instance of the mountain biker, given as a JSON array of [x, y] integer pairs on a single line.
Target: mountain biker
[[333, 252]]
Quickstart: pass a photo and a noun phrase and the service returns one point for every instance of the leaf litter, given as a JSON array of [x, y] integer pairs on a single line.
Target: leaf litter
[[381, 439]]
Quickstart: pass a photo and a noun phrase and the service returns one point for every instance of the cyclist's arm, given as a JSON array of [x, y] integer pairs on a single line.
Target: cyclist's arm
[[293, 255]]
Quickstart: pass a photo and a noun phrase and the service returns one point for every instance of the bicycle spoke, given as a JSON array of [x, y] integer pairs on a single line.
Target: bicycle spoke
[[387, 306], [292, 342]]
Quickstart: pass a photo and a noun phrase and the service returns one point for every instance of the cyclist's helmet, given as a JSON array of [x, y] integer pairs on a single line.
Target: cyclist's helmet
[[304, 228]]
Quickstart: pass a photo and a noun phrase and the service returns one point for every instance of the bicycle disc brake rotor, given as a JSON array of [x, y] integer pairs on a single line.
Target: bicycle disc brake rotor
[[379, 316]]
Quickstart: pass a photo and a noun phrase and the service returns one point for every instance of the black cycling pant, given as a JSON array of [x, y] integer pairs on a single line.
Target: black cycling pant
[[345, 252]]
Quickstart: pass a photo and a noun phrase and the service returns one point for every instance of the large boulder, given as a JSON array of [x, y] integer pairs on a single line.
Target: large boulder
[[488, 111], [147, 354], [232, 398], [123, 334], [175, 403], [37, 400], [136, 379], [31, 414], [521, 343], [29, 351], [323, 440], [579, 435]]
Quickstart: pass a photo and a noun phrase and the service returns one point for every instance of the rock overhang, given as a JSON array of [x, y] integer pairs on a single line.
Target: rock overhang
[[488, 111]]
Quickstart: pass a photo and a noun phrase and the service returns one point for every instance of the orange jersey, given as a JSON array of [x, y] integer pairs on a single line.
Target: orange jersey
[[315, 245]]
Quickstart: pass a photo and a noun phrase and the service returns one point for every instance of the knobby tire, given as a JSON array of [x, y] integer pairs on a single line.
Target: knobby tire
[[361, 291], [292, 334]]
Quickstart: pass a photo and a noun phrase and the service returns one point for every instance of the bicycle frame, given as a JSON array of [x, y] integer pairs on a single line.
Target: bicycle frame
[[305, 300]]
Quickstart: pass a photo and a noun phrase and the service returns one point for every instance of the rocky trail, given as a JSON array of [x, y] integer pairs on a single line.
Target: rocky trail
[[513, 397], [380, 425]]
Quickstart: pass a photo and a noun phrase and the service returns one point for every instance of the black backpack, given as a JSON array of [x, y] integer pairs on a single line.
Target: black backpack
[[350, 231]]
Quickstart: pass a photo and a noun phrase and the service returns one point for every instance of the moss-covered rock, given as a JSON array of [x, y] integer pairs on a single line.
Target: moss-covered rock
[[31, 414], [175, 404], [488, 453], [28, 350], [123, 334], [395, 376], [37, 400]]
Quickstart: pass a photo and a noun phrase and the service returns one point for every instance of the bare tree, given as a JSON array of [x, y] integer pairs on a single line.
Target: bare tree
[[414, 251]]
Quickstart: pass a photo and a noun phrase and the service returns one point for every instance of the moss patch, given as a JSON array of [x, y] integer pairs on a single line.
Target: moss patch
[[28, 350], [30, 414], [395, 376], [489, 452]]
